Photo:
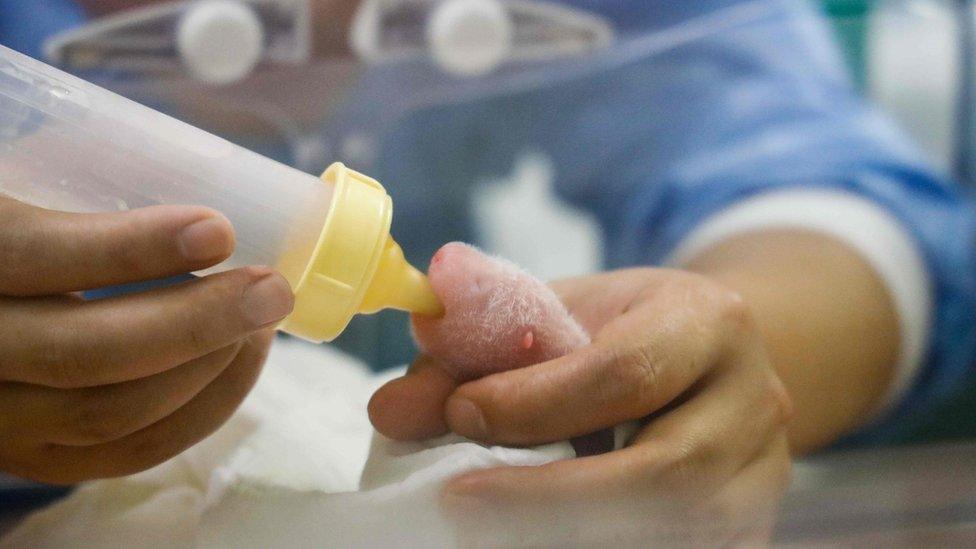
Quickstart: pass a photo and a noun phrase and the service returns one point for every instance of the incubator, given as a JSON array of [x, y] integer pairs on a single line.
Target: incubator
[[500, 122], [68, 145], [914, 59]]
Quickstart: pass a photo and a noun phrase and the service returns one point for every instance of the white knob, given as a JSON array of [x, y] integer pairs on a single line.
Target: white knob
[[469, 37], [220, 41]]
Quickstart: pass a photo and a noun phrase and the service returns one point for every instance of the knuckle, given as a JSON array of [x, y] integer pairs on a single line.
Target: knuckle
[[95, 420], [64, 361], [688, 457], [676, 467], [63, 367], [646, 470], [636, 374], [717, 305], [733, 312]]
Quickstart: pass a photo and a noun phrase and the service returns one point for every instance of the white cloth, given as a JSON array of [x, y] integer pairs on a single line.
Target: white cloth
[[284, 471]]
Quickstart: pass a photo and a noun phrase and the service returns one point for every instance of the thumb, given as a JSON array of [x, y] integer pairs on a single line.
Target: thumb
[[412, 407]]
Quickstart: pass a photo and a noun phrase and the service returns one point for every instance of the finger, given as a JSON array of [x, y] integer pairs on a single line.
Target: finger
[[150, 446], [597, 299], [45, 252], [638, 363], [721, 427], [685, 454], [412, 407], [631, 518], [85, 417], [745, 509], [66, 344]]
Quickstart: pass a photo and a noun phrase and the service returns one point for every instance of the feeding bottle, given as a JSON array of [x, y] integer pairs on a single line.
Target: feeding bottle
[[69, 145]]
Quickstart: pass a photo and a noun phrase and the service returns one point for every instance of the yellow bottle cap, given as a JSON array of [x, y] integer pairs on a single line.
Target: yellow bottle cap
[[356, 266]]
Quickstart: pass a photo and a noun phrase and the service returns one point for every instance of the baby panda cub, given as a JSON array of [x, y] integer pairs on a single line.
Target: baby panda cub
[[497, 317]]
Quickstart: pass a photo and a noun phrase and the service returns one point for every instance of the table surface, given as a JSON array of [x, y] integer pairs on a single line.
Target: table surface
[[903, 497], [891, 497]]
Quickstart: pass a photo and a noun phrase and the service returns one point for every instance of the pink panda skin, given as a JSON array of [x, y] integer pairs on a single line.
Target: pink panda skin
[[497, 317]]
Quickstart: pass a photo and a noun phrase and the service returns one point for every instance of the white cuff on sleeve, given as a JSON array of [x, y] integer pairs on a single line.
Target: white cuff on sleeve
[[864, 226]]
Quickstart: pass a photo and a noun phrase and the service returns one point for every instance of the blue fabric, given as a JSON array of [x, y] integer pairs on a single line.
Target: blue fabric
[[25, 24], [654, 146]]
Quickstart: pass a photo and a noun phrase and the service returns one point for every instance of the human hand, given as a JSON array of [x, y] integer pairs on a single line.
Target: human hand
[[113, 386], [669, 348]]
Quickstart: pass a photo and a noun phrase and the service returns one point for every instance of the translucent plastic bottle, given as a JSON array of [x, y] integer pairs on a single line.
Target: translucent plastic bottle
[[68, 145]]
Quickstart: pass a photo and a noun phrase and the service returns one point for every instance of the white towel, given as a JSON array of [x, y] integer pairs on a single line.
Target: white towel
[[285, 470]]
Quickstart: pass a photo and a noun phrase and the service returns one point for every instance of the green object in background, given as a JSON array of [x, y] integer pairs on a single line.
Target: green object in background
[[849, 19], [956, 418]]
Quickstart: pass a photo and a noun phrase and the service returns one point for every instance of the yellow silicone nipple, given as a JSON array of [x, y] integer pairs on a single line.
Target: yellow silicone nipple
[[399, 285]]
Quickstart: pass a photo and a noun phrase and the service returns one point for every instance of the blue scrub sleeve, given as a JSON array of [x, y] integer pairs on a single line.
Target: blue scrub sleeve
[[656, 147]]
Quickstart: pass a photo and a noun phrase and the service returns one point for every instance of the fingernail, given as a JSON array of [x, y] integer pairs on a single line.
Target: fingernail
[[466, 419], [205, 239], [268, 299]]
